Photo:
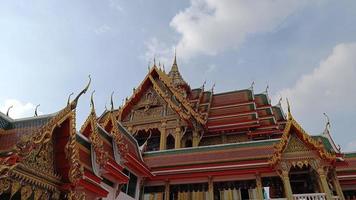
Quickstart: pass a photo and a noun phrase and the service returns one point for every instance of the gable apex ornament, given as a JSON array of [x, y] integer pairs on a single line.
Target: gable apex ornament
[[8, 110], [74, 103]]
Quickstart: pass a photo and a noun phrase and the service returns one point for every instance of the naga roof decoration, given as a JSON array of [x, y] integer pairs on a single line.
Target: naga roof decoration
[[90, 130], [291, 127]]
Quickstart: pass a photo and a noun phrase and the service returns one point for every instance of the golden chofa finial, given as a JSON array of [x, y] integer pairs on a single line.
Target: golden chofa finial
[[252, 85], [280, 101], [68, 101], [36, 114], [112, 101], [289, 112], [8, 110], [92, 101], [75, 101], [328, 125], [203, 86], [267, 88], [212, 88]]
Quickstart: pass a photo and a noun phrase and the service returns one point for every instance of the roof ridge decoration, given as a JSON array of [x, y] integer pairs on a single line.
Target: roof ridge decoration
[[8, 110], [115, 133], [303, 136], [167, 80], [112, 101], [36, 114], [326, 133], [98, 144]]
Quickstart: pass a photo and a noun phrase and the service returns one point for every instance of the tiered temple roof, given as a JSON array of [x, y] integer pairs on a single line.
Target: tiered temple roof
[[50, 154]]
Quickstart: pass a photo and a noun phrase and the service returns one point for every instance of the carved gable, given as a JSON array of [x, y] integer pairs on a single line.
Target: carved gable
[[151, 105], [295, 145], [41, 159]]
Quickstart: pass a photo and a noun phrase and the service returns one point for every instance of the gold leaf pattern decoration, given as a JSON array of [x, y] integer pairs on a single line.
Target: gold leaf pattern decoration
[[15, 187], [26, 192], [4, 185]]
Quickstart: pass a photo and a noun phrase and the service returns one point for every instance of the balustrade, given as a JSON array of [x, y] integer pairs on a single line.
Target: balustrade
[[310, 196]]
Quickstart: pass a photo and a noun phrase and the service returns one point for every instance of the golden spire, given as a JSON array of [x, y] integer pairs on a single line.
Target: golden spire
[[8, 110], [175, 57], [175, 75], [36, 114]]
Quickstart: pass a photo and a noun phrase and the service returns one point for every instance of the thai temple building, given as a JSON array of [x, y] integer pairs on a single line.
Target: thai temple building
[[171, 142]]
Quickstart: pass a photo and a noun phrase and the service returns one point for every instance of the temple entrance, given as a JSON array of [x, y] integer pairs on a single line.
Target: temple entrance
[[304, 180]]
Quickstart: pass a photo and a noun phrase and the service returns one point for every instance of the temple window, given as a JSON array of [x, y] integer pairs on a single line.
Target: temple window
[[170, 142], [188, 143], [130, 188], [153, 193]]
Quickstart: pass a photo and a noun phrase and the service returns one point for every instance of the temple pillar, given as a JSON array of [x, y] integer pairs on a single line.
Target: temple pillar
[[211, 188], [177, 138], [166, 191], [287, 187], [337, 185], [163, 138], [324, 183], [195, 138], [259, 188]]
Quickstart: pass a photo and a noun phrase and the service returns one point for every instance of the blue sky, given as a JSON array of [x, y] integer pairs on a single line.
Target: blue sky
[[304, 50]]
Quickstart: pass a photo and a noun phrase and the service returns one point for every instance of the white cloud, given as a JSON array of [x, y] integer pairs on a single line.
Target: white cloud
[[102, 29], [160, 51], [351, 146], [330, 87], [211, 26], [115, 4], [19, 110]]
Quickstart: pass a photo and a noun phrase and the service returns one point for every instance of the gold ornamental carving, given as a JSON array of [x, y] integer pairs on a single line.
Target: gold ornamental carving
[[26, 192]]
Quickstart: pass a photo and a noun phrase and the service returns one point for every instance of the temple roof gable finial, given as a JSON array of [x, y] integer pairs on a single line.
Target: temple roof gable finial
[[8, 110], [328, 125], [36, 114], [92, 101], [252, 85], [68, 101], [289, 112], [112, 101], [75, 101]]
